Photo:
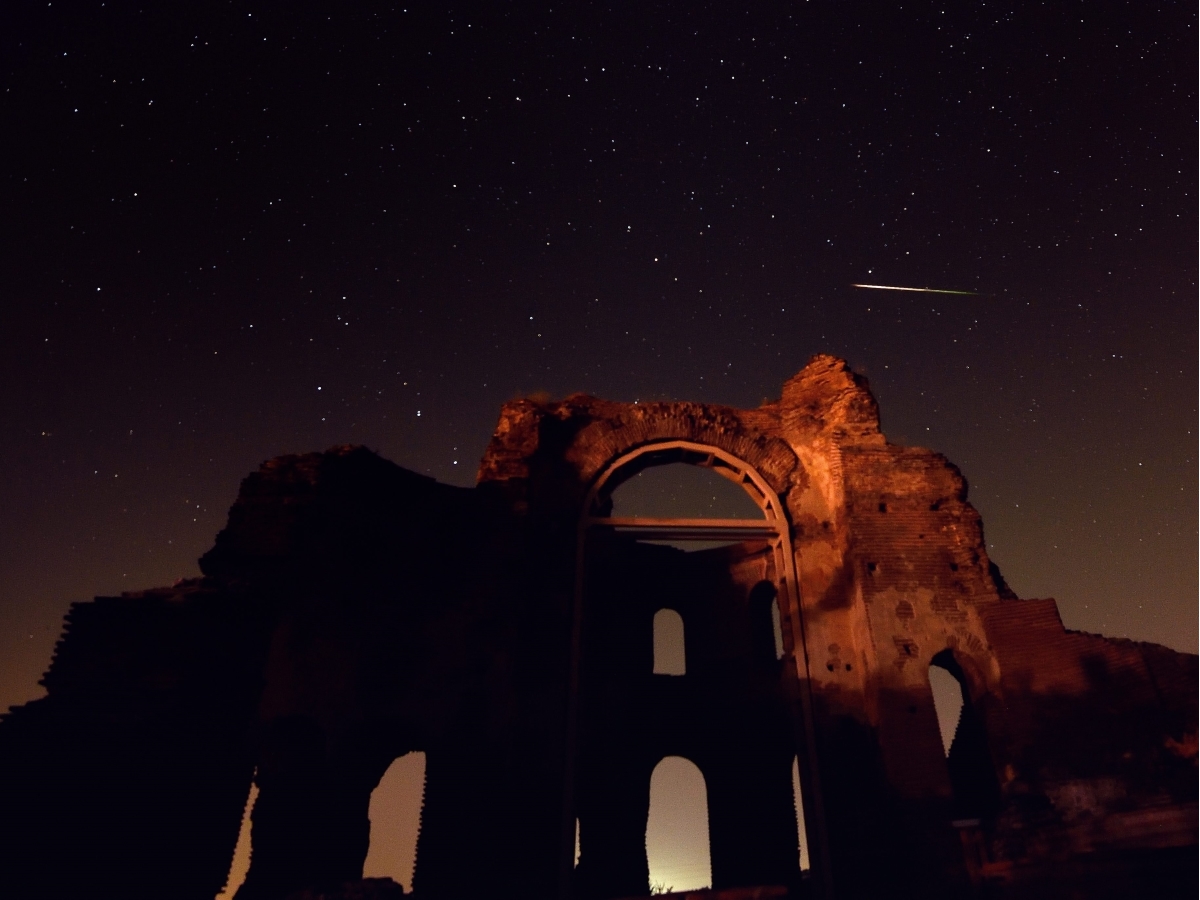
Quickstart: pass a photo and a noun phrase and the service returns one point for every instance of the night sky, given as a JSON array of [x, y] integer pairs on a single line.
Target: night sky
[[235, 230]]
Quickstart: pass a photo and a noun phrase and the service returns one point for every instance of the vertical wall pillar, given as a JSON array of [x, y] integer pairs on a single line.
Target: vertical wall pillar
[[614, 805], [752, 821], [309, 827]]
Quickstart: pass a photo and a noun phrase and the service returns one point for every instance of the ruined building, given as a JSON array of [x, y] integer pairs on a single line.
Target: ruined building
[[352, 611]]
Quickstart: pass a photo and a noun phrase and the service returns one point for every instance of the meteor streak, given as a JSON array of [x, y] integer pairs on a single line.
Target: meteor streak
[[890, 287]]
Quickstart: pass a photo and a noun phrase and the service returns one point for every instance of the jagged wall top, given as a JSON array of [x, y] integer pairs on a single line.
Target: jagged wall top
[[824, 400]]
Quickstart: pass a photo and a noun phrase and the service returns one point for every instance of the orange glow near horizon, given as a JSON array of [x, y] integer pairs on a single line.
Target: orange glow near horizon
[[677, 846]]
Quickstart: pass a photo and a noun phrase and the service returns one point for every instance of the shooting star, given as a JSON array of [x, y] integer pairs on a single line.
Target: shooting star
[[891, 287]]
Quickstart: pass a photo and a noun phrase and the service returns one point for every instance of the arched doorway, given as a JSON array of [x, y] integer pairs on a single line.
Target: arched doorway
[[240, 864], [395, 814], [677, 850], [972, 776]]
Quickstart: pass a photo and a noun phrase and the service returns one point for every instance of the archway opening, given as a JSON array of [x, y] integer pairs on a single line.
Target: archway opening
[[973, 782], [683, 490], [677, 843], [947, 701], [670, 654], [395, 814], [241, 853]]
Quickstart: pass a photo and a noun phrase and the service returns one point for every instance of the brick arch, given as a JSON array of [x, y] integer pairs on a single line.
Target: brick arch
[[667, 452], [973, 666], [603, 441], [740, 471]]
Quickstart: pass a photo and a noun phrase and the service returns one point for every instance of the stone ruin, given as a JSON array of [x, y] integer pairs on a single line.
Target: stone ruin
[[352, 611]]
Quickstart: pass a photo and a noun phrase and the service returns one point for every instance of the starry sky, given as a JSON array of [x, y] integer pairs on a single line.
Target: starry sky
[[234, 230]]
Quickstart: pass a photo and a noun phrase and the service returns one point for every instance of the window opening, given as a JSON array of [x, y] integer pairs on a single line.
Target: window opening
[[798, 800], [395, 814], [670, 654], [677, 843], [577, 842], [241, 852]]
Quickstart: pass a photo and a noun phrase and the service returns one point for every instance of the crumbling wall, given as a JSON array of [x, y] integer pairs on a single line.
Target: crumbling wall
[[405, 617], [128, 779], [894, 575], [352, 611], [1094, 737]]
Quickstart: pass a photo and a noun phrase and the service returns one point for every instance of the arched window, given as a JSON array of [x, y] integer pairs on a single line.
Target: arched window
[[677, 847], [973, 780], [670, 657], [395, 814]]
